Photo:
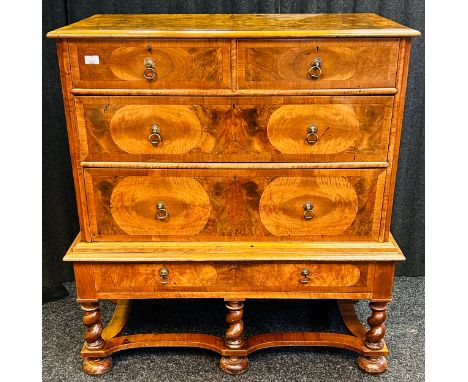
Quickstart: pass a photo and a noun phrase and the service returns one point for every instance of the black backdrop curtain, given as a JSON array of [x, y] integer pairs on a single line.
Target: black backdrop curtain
[[60, 221]]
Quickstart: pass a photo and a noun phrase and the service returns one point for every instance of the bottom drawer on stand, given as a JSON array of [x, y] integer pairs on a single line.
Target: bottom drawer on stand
[[134, 279]]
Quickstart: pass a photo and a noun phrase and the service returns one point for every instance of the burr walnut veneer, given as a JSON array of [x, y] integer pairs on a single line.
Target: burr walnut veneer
[[234, 157]]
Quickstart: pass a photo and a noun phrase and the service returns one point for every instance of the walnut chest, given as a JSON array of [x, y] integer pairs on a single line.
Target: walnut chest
[[234, 157]]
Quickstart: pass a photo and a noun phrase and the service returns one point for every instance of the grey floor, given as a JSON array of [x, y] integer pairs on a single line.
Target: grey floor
[[62, 340]]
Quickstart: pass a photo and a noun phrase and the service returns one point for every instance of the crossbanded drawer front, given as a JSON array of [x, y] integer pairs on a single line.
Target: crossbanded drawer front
[[317, 64], [260, 129], [150, 64], [241, 276], [234, 205]]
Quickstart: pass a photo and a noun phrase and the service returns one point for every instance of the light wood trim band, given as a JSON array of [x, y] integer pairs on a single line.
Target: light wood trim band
[[230, 92], [241, 165], [233, 251], [278, 256]]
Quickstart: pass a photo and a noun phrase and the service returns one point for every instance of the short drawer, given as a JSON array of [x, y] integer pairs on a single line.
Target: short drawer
[[147, 278], [150, 64], [317, 64], [232, 205], [260, 129]]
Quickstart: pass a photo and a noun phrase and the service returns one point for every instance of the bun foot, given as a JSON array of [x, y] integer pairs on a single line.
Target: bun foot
[[97, 366], [372, 365], [234, 365]]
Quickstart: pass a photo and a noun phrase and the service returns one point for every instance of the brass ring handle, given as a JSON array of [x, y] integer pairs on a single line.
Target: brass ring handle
[[155, 137], [149, 72], [305, 276], [315, 70], [161, 212], [163, 276], [309, 213], [312, 137]]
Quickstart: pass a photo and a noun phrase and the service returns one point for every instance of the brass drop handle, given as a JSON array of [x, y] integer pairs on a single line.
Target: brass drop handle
[[155, 138], [305, 276], [308, 211], [149, 72], [163, 276], [161, 212], [312, 137], [315, 70]]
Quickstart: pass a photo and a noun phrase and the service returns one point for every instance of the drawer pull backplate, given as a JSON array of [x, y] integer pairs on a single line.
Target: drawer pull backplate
[[155, 137], [308, 211], [163, 276], [312, 137], [305, 276], [315, 70], [150, 72]]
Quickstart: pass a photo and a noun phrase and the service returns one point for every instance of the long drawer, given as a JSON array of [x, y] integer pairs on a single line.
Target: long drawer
[[234, 129], [147, 278], [234, 205], [150, 64], [317, 64]]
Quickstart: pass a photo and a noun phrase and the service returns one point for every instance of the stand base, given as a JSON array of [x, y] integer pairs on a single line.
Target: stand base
[[235, 361]]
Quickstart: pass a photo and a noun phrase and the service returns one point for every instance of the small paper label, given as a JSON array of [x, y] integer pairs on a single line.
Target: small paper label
[[91, 60]]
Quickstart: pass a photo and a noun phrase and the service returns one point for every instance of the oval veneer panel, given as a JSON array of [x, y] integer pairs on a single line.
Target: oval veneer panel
[[334, 200], [338, 128], [133, 205], [179, 128]]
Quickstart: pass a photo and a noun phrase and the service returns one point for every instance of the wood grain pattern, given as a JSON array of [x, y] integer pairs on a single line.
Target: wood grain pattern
[[180, 129], [216, 344], [235, 165], [85, 284], [203, 278], [179, 64], [233, 25], [117, 323], [131, 252], [234, 129], [239, 202], [284, 64], [397, 126], [279, 275], [230, 92], [383, 282], [334, 200], [133, 205], [73, 140]]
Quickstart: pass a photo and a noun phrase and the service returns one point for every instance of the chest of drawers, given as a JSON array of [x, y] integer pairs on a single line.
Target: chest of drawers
[[234, 157]]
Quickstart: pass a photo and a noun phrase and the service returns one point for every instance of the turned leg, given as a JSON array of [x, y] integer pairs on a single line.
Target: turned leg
[[93, 339], [374, 339], [233, 339]]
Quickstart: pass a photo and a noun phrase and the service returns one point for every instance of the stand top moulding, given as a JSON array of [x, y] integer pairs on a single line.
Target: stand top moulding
[[234, 26]]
